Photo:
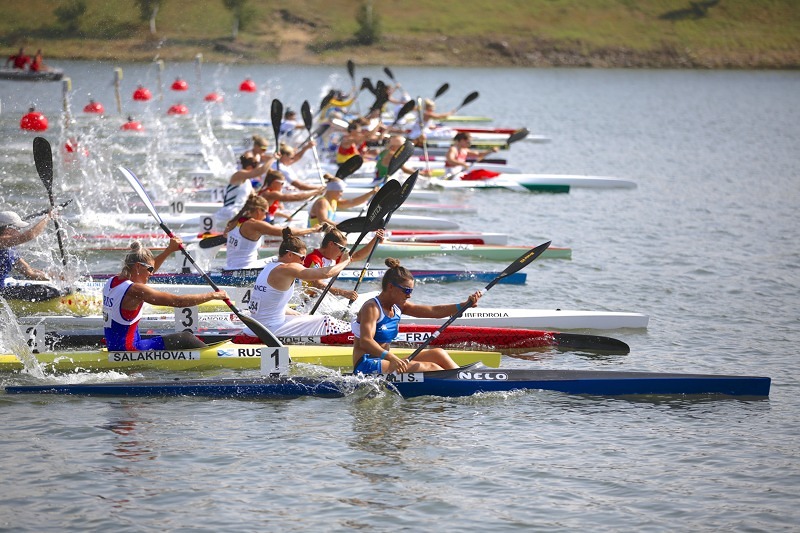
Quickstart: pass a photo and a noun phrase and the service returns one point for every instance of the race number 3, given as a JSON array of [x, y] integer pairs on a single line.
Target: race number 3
[[275, 360], [186, 318]]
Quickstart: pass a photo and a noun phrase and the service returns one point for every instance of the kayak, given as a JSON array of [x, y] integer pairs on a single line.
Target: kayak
[[534, 182], [205, 221], [496, 317], [497, 183], [221, 355], [246, 277], [506, 340], [485, 251], [465, 381], [407, 207]]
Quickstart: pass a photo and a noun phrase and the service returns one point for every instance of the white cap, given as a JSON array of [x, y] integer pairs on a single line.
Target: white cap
[[10, 218]]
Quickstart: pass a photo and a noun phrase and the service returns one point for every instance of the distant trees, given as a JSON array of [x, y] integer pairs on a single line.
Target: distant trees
[[69, 15], [241, 14], [369, 24], [148, 9]]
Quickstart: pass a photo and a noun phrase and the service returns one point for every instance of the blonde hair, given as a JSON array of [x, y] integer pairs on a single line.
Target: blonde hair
[[138, 254]]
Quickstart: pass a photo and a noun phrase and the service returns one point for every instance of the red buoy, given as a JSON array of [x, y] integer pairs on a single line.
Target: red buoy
[[142, 94], [178, 109], [94, 107], [247, 86], [33, 121], [132, 125], [213, 97], [180, 85]]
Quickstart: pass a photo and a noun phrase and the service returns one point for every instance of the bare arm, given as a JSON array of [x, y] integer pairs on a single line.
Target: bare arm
[[442, 310], [140, 292], [9, 239]]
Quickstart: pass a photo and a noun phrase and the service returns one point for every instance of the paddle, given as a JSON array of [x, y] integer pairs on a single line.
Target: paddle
[[344, 170], [351, 70], [377, 210], [514, 137], [441, 90], [276, 114], [43, 157], [45, 211], [261, 332], [400, 158], [308, 121], [326, 100], [471, 97], [517, 265], [366, 83], [406, 109], [352, 225], [400, 197]]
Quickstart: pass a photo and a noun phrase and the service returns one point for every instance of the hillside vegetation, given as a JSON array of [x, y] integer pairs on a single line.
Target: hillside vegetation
[[596, 33]]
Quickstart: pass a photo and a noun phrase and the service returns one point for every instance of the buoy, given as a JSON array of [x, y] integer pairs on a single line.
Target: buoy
[[178, 109], [247, 86], [142, 94], [94, 107], [33, 121], [213, 97], [179, 85], [132, 125]]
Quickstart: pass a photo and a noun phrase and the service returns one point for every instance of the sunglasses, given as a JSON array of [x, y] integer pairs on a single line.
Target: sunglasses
[[342, 247], [150, 268], [302, 257], [406, 290]]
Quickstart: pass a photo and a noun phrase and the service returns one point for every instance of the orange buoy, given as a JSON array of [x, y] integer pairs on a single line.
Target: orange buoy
[[247, 86], [213, 97], [33, 121], [178, 109], [94, 107], [132, 125], [142, 94], [180, 85]]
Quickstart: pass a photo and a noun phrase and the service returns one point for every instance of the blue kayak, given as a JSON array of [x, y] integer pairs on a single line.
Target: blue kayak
[[463, 381]]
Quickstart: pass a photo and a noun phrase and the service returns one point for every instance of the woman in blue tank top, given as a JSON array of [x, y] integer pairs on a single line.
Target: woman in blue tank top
[[378, 323]]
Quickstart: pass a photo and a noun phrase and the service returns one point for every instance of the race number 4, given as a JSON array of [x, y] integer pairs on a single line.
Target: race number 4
[[186, 318], [274, 361]]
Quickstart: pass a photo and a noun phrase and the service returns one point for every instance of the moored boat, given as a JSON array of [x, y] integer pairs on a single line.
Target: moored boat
[[52, 74]]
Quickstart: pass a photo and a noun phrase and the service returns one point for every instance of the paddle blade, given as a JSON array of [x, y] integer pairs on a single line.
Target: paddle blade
[[366, 83], [517, 136], [352, 225], [382, 204], [351, 70], [406, 109], [137, 187], [441, 90], [305, 112], [471, 97], [407, 187], [524, 260], [400, 157], [326, 99], [276, 115], [213, 242], [389, 74], [43, 157], [349, 166]]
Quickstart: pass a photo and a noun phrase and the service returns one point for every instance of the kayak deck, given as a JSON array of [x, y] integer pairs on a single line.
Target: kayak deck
[[465, 381]]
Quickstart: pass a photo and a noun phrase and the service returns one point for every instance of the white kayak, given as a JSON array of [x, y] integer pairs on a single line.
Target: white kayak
[[555, 319], [534, 182], [205, 221], [178, 207]]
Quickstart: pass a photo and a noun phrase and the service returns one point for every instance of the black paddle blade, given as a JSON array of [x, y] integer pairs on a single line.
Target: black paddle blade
[[305, 112], [471, 97], [276, 115], [441, 90], [352, 225], [406, 109], [349, 166], [351, 69], [213, 242], [366, 83], [517, 136], [326, 99], [43, 157], [524, 260], [590, 343], [389, 74], [407, 187], [382, 204], [400, 157]]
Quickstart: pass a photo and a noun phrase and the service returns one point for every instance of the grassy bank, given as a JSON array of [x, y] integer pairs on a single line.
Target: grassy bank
[[597, 33]]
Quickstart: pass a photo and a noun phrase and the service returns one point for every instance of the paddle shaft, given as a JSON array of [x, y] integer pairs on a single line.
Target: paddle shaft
[[517, 265]]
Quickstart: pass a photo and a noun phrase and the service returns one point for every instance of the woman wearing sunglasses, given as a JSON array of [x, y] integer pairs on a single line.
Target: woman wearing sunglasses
[[125, 294], [378, 321], [274, 287]]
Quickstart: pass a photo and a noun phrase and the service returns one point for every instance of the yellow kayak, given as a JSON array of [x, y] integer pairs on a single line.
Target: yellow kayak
[[220, 355]]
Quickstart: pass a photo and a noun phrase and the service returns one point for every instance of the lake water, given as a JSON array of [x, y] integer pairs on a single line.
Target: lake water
[[705, 245]]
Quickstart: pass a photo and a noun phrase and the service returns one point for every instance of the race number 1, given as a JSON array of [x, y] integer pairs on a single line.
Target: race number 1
[[274, 361], [186, 318]]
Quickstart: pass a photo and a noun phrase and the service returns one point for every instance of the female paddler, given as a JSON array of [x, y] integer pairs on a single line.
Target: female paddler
[[274, 287], [378, 321], [125, 294]]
